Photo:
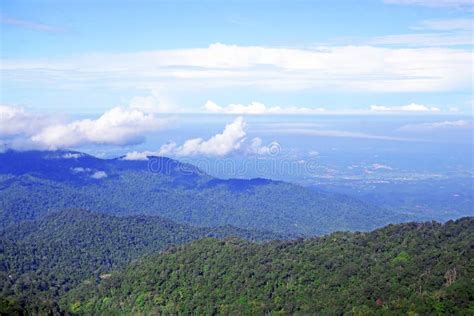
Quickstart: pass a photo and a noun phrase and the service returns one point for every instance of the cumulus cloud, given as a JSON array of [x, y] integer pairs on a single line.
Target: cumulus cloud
[[258, 108], [17, 121], [230, 140], [156, 102], [218, 145], [118, 126], [256, 147], [412, 107], [436, 125]]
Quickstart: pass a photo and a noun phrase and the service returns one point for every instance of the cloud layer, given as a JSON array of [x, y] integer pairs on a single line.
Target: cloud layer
[[436, 125], [332, 68]]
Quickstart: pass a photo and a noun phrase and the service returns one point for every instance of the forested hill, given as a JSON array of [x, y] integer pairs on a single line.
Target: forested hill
[[43, 259], [32, 184], [417, 269]]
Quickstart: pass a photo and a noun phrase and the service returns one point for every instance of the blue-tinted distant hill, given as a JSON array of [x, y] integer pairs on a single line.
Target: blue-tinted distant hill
[[35, 183]]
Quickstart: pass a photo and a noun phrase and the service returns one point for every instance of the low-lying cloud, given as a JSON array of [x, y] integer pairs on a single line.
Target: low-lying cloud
[[230, 140], [218, 145]]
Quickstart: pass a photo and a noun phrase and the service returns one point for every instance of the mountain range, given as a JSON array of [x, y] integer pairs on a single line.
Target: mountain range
[[85, 235], [35, 183]]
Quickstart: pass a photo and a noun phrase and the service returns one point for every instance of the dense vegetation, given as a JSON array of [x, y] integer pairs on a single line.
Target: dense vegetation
[[40, 182], [413, 268], [62, 261], [41, 260]]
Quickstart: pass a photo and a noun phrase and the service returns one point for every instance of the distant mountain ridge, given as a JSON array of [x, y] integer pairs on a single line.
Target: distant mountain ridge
[[33, 184], [60, 165]]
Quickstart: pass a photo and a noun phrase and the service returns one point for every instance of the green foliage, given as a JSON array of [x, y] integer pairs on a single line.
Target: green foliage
[[41, 260], [402, 258], [412, 269]]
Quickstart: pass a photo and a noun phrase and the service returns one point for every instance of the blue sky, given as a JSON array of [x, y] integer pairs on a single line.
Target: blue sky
[[64, 34], [128, 26], [125, 74]]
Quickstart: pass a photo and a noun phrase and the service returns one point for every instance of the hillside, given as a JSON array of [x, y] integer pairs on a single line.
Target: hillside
[[412, 268], [43, 259], [33, 184]]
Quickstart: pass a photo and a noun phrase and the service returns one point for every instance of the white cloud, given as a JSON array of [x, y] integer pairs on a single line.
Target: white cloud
[[94, 174], [80, 170], [29, 25], [436, 125], [230, 140], [218, 145], [435, 33], [332, 133], [99, 175], [446, 25], [156, 102], [139, 155], [332, 68], [258, 108], [467, 4], [72, 155], [118, 126], [412, 107], [256, 147], [425, 39], [17, 121]]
